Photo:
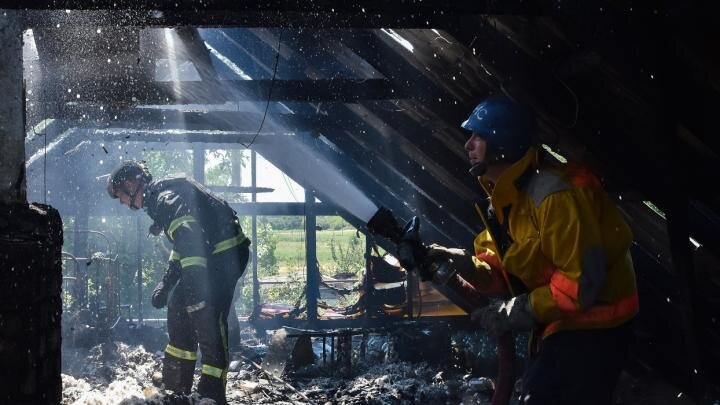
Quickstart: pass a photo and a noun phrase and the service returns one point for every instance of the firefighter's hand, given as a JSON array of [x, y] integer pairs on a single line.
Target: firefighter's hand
[[411, 254], [504, 316], [441, 263], [162, 290], [160, 295], [172, 275]]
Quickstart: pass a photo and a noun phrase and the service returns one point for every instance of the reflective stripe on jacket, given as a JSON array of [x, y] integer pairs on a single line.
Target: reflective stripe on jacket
[[182, 203], [198, 224], [570, 245]]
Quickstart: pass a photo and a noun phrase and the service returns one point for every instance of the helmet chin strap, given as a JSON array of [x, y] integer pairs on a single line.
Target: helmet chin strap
[[492, 157], [478, 169], [134, 195]]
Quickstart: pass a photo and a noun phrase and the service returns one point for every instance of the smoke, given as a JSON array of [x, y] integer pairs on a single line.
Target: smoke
[[320, 175]]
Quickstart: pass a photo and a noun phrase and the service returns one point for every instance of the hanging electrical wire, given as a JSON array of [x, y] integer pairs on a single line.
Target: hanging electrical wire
[[572, 93], [289, 187], [44, 164], [272, 85]]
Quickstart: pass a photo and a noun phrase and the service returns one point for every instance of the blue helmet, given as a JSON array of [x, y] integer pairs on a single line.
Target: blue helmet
[[508, 128]]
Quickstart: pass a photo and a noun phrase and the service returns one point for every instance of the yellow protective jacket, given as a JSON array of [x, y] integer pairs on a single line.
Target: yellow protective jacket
[[569, 245]]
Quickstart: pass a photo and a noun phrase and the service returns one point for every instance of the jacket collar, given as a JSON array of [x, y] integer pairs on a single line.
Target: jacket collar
[[505, 191], [150, 195]]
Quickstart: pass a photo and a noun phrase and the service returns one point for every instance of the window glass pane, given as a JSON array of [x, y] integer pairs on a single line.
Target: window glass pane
[[168, 163], [284, 189], [281, 261], [224, 172], [341, 257]]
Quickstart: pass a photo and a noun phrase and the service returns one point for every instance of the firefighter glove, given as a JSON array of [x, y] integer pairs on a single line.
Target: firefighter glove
[[442, 263], [160, 295], [162, 290], [411, 254], [504, 316]]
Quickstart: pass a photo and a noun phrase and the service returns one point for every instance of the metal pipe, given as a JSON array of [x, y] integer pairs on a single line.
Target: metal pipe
[[368, 278], [324, 344], [199, 164], [313, 274], [256, 284], [80, 249], [410, 291], [139, 269], [363, 345]]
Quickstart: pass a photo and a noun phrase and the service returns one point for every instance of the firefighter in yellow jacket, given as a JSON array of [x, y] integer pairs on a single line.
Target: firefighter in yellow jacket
[[559, 245]]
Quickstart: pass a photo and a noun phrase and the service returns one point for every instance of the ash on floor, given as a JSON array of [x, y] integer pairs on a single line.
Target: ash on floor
[[116, 373]]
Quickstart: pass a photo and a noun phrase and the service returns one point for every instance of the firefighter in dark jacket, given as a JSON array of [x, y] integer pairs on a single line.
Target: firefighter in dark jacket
[[209, 255]]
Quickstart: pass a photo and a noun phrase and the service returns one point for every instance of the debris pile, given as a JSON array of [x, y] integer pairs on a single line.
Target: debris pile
[[400, 382], [249, 383], [114, 373], [108, 373]]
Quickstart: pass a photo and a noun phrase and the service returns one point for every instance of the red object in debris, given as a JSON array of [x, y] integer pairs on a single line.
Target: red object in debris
[[506, 370]]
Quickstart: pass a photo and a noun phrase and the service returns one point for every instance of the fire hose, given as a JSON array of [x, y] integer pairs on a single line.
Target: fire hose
[[384, 224]]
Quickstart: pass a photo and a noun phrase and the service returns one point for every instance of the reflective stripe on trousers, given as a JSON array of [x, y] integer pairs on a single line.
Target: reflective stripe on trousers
[[212, 371], [180, 353]]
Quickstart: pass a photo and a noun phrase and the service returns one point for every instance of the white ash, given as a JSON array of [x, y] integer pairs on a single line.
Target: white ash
[[108, 374], [120, 374]]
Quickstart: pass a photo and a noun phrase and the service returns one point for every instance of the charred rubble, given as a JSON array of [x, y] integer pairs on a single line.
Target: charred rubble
[[378, 370], [385, 369]]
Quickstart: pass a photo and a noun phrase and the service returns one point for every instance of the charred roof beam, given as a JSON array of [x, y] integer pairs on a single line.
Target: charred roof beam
[[93, 117], [179, 137], [127, 92], [273, 13], [432, 103], [198, 53]]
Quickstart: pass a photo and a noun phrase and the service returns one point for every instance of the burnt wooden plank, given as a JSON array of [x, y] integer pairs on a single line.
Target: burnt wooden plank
[[134, 91]]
